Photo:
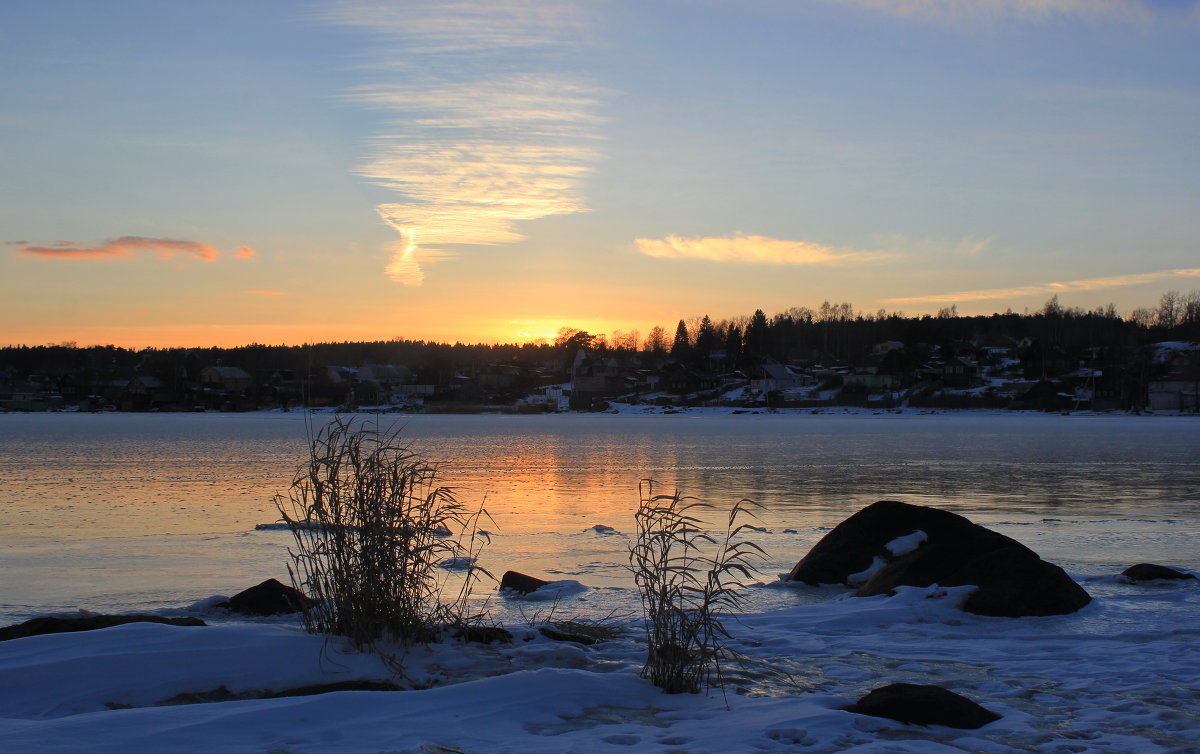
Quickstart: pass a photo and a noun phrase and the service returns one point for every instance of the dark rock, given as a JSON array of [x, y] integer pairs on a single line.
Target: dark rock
[[219, 694], [50, 624], [923, 705], [1153, 572], [855, 543], [366, 684], [556, 635], [1016, 582], [519, 582], [223, 694], [1013, 581], [269, 598], [926, 565], [483, 634]]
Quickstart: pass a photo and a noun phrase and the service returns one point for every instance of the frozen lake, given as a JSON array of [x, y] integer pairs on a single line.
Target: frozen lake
[[124, 511]]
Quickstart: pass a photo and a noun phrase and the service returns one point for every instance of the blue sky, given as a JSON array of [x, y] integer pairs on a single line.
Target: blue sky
[[221, 173]]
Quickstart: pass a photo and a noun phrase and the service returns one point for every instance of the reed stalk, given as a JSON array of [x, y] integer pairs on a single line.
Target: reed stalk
[[371, 523], [688, 580]]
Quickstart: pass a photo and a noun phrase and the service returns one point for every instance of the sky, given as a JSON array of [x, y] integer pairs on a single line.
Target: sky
[[223, 173]]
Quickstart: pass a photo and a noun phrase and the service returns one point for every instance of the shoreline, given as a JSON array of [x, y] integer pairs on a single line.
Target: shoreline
[[636, 409]]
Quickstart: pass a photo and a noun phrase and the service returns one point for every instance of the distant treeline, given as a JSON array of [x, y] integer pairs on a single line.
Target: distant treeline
[[831, 332]]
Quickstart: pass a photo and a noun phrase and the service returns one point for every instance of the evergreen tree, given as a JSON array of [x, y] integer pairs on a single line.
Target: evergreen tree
[[706, 338], [682, 346], [757, 334]]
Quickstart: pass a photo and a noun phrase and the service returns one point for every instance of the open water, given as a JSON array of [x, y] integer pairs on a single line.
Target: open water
[[123, 512]]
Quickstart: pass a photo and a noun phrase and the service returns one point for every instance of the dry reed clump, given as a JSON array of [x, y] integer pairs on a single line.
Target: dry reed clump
[[371, 525], [685, 590]]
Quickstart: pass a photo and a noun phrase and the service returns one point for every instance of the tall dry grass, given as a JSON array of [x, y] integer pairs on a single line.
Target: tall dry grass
[[689, 581], [371, 524]]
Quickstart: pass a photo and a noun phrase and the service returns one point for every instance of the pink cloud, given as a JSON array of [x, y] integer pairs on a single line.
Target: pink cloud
[[261, 292], [123, 247], [245, 252]]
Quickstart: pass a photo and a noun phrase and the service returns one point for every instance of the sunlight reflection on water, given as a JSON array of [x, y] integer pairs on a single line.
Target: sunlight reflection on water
[[127, 510]]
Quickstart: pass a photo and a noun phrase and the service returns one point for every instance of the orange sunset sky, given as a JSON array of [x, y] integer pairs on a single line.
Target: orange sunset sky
[[222, 173]]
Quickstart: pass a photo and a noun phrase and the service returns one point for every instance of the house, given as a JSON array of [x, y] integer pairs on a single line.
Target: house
[[768, 377], [1178, 390], [27, 395], [376, 383], [231, 379], [879, 350], [386, 375], [500, 376], [680, 379], [1045, 395], [959, 373], [141, 393], [340, 375], [867, 382], [596, 375]]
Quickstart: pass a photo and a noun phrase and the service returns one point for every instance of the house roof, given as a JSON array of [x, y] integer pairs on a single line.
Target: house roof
[[228, 373]]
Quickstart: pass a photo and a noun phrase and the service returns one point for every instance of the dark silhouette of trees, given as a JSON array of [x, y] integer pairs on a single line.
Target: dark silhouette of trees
[[1050, 340]]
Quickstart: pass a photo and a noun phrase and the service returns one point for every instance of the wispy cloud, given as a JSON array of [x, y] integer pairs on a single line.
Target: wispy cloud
[[126, 246], [487, 125], [753, 250], [932, 247], [1037, 289], [1024, 9], [263, 292], [244, 252]]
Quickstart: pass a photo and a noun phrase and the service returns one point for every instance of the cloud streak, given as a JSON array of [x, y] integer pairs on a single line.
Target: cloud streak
[[1036, 289], [473, 143], [753, 250], [1023, 9], [126, 246]]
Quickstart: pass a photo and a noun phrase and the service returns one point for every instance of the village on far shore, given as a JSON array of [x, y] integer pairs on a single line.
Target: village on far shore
[[1014, 375]]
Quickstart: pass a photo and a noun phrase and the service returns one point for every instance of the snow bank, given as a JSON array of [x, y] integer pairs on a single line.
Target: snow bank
[[1114, 677]]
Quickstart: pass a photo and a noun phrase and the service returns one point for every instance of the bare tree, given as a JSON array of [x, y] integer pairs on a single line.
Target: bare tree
[[656, 341], [1142, 316], [625, 341], [1190, 308], [1170, 307]]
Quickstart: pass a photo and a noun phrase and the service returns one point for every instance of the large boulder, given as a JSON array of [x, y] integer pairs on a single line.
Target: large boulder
[[1012, 580], [269, 598], [857, 542], [57, 624], [923, 705]]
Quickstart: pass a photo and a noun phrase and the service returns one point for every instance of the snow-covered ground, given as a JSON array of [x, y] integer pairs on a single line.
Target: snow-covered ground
[[1120, 676]]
